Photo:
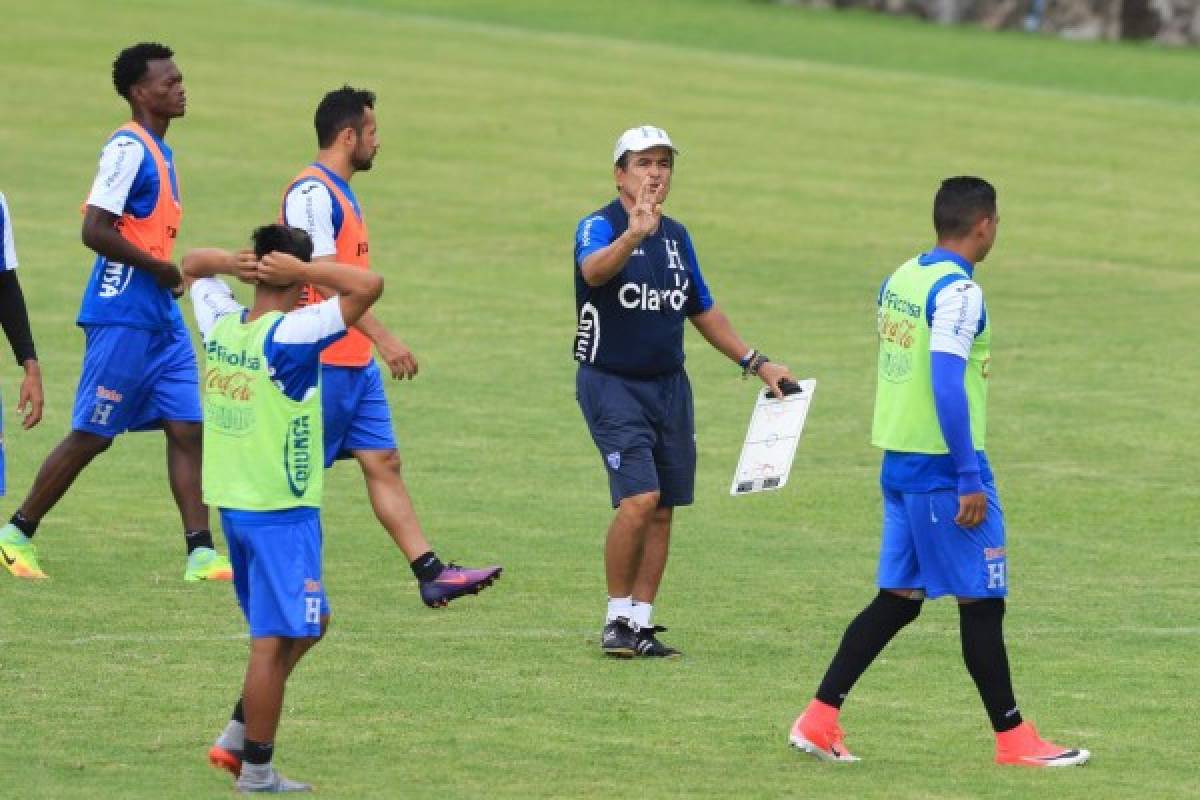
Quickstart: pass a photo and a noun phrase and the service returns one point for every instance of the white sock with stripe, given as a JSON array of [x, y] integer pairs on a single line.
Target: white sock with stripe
[[619, 607], [641, 615]]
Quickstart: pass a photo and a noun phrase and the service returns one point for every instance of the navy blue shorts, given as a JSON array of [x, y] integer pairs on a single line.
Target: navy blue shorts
[[276, 558], [356, 411], [645, 431], [922, 548], [134, 380]]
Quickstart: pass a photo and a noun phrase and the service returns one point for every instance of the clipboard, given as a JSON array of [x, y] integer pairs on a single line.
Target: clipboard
[[771, 439]]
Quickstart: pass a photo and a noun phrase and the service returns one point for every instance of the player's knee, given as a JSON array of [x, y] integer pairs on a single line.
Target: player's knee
[[88, 445], [391, 461], [642, 505], [185, 434], [902, 606], [380, 463], [982, 608]]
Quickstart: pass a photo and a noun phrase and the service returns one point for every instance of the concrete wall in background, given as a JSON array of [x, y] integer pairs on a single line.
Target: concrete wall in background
[[1166, 21]]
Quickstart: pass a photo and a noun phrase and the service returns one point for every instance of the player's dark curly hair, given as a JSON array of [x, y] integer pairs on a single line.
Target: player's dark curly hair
[[131, 64], [960, 203], [276, 238], [340, 109]]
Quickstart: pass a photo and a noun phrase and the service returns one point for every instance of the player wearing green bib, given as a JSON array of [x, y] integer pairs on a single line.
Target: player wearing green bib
[[263, 462], [943, 527]]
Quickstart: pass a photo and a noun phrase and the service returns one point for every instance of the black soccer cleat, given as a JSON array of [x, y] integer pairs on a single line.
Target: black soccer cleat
[[619, 639], [649, 646]]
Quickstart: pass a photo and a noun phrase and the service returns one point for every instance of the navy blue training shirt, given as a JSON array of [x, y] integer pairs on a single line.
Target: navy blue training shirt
[[633, 325]]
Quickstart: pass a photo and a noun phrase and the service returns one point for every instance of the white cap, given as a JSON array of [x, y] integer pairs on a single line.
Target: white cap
[[641, 138]]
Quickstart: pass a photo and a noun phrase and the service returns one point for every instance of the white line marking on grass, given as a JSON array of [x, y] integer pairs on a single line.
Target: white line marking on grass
[[565, 634]]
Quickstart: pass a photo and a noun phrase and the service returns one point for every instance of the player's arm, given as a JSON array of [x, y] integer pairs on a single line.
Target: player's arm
[[356, 289], [309, 206], [716, 328], [395, 353], [14, 317], [958, 309], [118, 168], [600, 266], [209, 262], [100, 234]]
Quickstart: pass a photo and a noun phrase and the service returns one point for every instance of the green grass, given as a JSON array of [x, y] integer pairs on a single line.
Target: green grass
[[811, 147]]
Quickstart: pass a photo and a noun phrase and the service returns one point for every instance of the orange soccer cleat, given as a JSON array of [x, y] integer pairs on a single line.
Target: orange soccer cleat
[[817, 733], [1022, 746]]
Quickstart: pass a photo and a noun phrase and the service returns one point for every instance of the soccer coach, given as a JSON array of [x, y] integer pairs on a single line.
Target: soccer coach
[[636, 280]]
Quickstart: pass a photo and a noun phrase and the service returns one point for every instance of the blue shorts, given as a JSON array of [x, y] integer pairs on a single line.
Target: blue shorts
[[356, 411], [645, 431], [922, 548], [134, 380], [276, 558]]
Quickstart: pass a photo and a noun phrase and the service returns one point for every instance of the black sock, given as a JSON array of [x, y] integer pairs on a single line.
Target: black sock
[[24, 525], [427, 566], [864, 639], [258, 752], [982, 627], [200, 538], [239, 714]]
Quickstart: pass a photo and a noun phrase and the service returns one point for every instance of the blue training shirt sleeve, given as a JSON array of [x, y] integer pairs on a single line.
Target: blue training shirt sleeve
[[954, 418], [296, 367], [593, 233], [701, 299]]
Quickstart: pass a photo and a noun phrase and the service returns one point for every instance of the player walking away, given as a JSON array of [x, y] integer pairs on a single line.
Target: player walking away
[[636, 281], [943, 527], [139, 369], [263, 463], [15, 320], [358, 421]]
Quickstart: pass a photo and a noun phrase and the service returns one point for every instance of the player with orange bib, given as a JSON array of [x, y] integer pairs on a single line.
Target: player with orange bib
[[358, 422], [139, 368]]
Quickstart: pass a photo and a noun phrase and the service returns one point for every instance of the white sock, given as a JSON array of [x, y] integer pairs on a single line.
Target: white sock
[[255, 773], [619, 607], [641, 615], [233, 737]]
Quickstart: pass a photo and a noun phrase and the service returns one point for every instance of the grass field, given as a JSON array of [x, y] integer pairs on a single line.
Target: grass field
[[812, 143]]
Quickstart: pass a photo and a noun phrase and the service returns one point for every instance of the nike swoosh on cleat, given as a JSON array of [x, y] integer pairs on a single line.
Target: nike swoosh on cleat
[[457, 580], [7, 560]]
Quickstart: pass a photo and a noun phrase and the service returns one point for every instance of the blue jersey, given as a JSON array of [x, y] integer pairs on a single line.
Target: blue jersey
[[633, 324], [127, 183]]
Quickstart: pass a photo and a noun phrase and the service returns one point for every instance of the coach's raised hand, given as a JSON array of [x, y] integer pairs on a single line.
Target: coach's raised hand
[[646, 214]]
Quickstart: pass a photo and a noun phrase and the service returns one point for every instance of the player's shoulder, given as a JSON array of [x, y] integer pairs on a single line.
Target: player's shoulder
[[963, 286], [605, 213], [123, 140], [673, 227], [308, 187], [593, 226], [123, 153]]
